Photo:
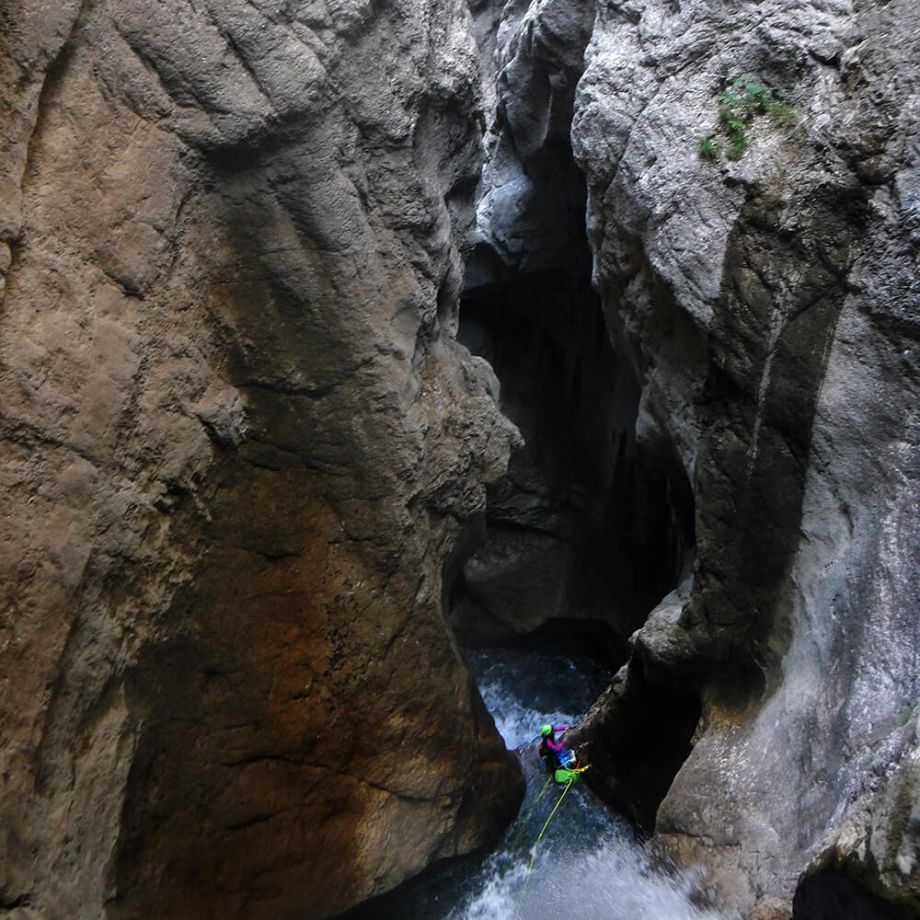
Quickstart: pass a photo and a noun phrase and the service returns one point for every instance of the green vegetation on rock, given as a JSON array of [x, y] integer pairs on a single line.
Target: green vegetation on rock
[[739, 105], [709, 148]]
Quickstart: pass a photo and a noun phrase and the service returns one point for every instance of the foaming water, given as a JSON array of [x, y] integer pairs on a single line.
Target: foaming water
[[589, 863], [524, 689], [604, 875], [611, 881]]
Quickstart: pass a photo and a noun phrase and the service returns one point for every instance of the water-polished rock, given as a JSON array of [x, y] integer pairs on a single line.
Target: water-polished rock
[[242, 457], [768, 307]]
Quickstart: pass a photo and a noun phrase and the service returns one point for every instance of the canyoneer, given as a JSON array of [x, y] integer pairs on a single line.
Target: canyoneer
[[563, 762], [567, 772], [550, 746]]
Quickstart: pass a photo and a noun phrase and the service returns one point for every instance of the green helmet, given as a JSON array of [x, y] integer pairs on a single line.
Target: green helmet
[[546, 730]]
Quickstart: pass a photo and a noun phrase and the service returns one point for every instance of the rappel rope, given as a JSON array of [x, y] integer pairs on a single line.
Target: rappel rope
[[546, 786], [536, 842], [522, 821]]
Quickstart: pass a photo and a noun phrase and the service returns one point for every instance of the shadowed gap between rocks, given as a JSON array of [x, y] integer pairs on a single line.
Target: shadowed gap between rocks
[[581, 527], [587, 528], [831, 895], [781, 297], [639, 733], [586, 534]]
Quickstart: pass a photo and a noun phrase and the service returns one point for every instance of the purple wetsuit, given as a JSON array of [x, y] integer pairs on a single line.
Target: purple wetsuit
[[550, 744]]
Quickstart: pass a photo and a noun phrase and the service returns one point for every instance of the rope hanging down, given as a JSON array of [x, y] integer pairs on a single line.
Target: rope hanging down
[[536, 843], [573, 774], [525, 816]]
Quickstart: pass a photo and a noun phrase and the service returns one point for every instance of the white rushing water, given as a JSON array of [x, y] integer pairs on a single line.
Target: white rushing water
[[589, 864], [611, 880], [511, 693]]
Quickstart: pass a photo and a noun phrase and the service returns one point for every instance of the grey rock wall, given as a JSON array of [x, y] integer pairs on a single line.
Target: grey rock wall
[[582, 526], [769, 309], [530, 210], [242, 457]]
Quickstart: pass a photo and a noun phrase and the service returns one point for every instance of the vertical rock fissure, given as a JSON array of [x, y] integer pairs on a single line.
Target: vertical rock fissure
[[582, 527], [588, 526]]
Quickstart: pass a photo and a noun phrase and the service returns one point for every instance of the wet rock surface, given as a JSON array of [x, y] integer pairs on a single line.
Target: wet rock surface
[[243, 457], [768, 307], [245, 461], [765, 304]]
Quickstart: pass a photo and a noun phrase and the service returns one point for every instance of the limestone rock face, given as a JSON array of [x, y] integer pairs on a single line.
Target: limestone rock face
[[582, 526], [243, 456], [531, 202], [768, 306]]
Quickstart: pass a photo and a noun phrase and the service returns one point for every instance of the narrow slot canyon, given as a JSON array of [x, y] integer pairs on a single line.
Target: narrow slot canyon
[[588, 529], [460, 460], [581, 526], [585, 534]]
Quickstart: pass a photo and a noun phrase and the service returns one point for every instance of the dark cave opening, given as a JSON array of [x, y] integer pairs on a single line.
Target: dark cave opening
[[587, 533], [583, 526]]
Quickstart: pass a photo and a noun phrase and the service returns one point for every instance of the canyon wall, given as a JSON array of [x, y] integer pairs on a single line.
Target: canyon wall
[[245, 459], [768, 305], [243, 456], [583, 527], [761, 287]]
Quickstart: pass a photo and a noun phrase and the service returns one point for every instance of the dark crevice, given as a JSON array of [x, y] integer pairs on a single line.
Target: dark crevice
[[641, 734], [576, 639], [588, 532], [583, 525], [8, 903], [832, 895]]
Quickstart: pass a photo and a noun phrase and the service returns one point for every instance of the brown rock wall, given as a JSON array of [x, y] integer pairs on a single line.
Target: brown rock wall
[[241, 455]]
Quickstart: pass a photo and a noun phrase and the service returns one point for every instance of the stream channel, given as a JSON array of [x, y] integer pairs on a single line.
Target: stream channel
[[589, 865]]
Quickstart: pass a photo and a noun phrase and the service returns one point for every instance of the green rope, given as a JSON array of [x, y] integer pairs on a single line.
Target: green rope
[[536, 842], [522, 821]]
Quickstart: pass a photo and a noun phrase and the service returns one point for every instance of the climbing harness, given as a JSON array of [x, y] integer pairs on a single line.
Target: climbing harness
[[567, 769], [564, 775]]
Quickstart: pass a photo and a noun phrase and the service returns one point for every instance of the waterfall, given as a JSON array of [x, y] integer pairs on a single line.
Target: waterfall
[[590, 864]]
